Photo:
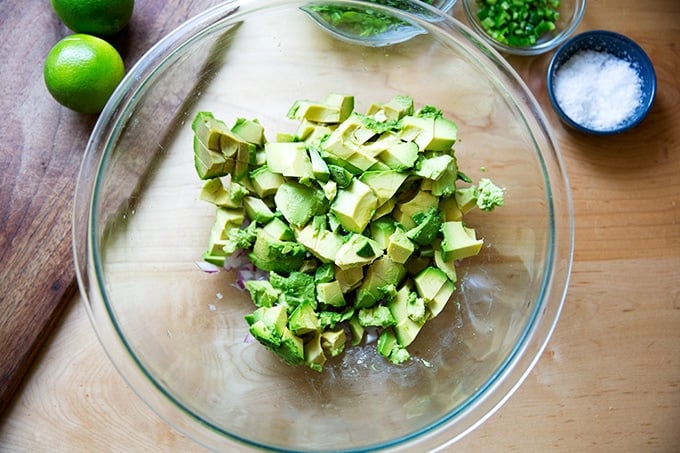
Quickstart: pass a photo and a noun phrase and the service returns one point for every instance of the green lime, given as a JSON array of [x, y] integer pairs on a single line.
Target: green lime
[[95, 17], [81, 72]]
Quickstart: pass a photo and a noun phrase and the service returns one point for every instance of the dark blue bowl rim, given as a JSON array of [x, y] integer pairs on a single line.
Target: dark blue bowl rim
[[565, 50]]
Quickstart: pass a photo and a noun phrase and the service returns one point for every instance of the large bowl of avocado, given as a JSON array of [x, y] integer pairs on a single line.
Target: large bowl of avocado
[[291, 241]]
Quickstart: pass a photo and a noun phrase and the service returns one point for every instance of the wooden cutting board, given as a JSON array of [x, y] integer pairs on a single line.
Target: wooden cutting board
[[42, 144]]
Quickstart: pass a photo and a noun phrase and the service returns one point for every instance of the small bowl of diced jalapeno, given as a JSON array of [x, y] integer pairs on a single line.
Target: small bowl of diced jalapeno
[[524, 27]]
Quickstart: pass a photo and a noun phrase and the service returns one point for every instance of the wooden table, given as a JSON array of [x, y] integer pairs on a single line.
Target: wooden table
[[608, 381]]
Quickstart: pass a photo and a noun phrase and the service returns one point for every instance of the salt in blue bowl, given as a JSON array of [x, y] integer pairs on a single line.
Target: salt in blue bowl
[[619, 46]]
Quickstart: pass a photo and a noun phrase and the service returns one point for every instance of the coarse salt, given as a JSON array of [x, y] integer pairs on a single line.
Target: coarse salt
[[597, 90]]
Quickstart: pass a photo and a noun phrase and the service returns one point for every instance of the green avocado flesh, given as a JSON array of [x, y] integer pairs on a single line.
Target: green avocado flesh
[[354, 220]]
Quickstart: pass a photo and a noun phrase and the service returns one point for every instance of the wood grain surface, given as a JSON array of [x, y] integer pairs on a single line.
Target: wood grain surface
[[608, 381]]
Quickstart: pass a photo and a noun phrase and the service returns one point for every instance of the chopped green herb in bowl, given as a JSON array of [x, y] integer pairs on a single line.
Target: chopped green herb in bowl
[[524, 27]]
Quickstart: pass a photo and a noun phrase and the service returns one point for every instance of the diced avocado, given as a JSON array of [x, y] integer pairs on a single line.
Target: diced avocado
[[323, 244], [324, 273], [333, 342], [380, 273], [449, 209], [445, 135], [421, 202], [448, 267], [399, 246], [305, 129], [466, 198], [314, 355], [354, 206], [209, 130], [354, 252], [279, 230], [329, 319], [262, 292], [418, 130], [344, 103], [356, 329], [267, 324], [349, 278], [384, 184], [377, 316], [299, 203], [249, 130], [272, 254], [319, 167], [429, 281], [291, 349], [406, 329], [225, 220], [380, 231], [265, 182], [296, 288], [334, 109], [303, 319], [427, 227], [289, 159], [389, 348], [400, 156], [445, 185], [214, 191], [398, 107], [257, 210], [433, 165], [439, 301], [361, 161], [330, 293], [209, 163], [342, 177], [459, 241]]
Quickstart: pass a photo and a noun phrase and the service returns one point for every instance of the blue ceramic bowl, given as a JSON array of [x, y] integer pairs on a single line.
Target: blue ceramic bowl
[[619, 46]]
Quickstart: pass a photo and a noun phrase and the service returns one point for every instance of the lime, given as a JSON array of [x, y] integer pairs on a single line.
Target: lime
[[81, 72], [95, 17]]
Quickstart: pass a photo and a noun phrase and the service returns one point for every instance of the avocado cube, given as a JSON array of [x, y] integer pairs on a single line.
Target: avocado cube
[[384, 184], [386, 343], [209, 131], [349, 278], [445, 135], [357, 330], [406, 328], [421, 202], [323, 244], [319, 167], [271, 254], [278, 230], [257, 210], [330, 293], [314, 354], [361, 160], [377, 316], [225, 220], [209, 163], [429, 281], [267, 325], [333, 342], [449, 209], [265, 182], [399, 246], [289, 159], [439, 301], [299, 203], [398, 107], [382, 272], [381, 230], [249, 130], [262, 292], [354, 206], [344, 103], [400, 156], [324, 273], [213, 191], [433, 166], [459, 241], [353, 252], [303, 319], [466, 198], [291, 349]]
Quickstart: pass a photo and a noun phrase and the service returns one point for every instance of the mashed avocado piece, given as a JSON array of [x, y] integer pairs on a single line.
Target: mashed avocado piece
[[354, 221]]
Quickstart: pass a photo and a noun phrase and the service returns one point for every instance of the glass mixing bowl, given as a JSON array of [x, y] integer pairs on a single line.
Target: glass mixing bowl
[[177, 334]]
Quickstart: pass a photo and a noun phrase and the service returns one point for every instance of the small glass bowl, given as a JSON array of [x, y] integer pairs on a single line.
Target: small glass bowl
[[571, 14]]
